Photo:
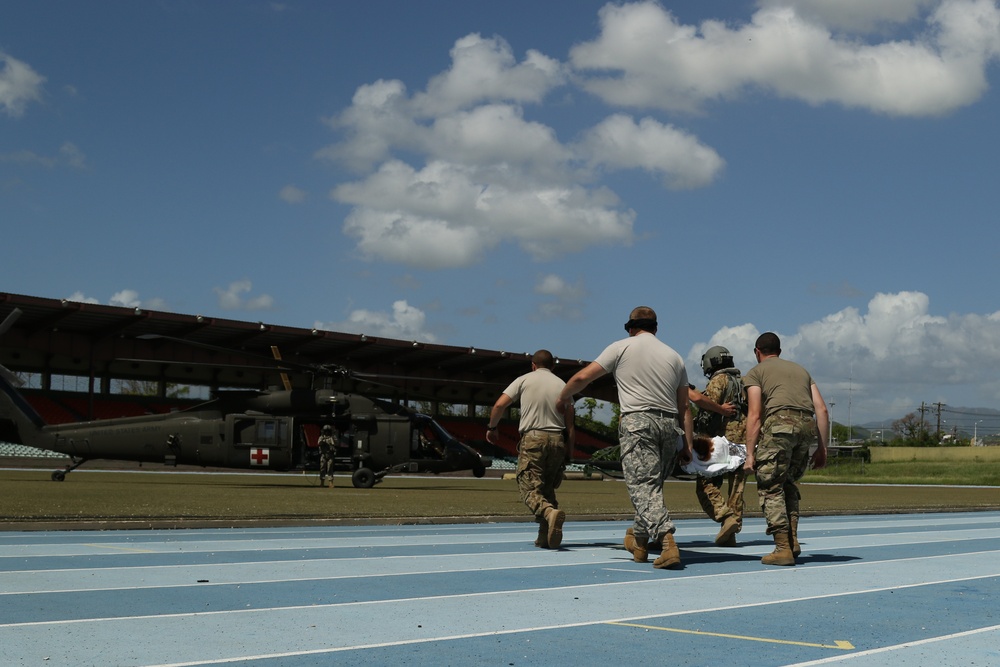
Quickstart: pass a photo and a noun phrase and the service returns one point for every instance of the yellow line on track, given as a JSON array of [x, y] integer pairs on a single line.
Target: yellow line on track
[[838, 644]]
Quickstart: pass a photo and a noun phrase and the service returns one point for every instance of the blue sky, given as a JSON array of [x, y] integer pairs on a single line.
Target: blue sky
[[518, 175]]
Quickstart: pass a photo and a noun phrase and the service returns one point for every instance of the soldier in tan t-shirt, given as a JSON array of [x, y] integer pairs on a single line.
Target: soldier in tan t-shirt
[[543, 451], [786, 414]]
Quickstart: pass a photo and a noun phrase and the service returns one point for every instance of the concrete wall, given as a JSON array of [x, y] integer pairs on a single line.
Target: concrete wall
[[885, 454]]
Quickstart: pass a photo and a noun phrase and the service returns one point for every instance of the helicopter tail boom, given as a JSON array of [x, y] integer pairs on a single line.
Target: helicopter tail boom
[[19, 423]]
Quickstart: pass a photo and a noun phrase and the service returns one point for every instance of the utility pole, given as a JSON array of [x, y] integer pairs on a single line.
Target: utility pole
[[939, 406], [830, 437], [850, 391], [923, 430]]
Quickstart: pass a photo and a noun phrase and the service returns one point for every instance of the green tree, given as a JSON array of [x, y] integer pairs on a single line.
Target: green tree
[[912, 431], [840, 433], [151, 388], [585, 417]]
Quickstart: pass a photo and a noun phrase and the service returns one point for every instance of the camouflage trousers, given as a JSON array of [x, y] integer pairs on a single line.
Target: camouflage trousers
[[325, 463], [780, 460], [717, 505], [541, 462], [648, 446]]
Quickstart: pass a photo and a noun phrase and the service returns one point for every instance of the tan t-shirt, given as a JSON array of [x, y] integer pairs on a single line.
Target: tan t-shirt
[[647, 371], [783, 385], [537, 393]]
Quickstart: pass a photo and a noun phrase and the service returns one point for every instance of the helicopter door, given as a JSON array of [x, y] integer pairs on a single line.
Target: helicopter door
[[260, 442], [361, 448], [211, 435], [71, 446]]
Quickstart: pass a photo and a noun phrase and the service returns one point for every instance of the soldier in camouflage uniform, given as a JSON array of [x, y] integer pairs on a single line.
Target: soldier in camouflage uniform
[[546, 444], [786, 414], [725, 387], [327, 453], [653, 395]]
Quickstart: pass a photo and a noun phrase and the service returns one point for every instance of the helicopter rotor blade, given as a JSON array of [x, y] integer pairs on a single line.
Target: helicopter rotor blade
[[11, 377], [262, 367], [287, 383], [9, 321], [267, 362], [282, 366], [476, 383]]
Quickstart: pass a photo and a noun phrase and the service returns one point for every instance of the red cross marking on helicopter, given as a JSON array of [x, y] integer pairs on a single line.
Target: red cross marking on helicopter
[[259, 457]]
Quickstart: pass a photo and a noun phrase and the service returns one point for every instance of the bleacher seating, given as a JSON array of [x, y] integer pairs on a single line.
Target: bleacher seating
[[51, 411], [23, 451]]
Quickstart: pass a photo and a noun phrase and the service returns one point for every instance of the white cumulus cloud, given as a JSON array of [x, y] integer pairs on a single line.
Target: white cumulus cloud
[[887, 360], [19, 85], [645, 58], [677, 156], [292, 194], [448, 172], [126, 298], [565, 299], [405, 322], [234, 297]]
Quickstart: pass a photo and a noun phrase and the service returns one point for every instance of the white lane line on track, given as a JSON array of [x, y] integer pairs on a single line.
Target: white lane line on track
[[299, 579], [289, 654], [167, 547], [17, 582], [579, 531], [575, 537], [647, 581], [897, 647]]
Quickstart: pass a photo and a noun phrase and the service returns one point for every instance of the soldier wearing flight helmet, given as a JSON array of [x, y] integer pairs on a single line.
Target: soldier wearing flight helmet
[[725, 386]]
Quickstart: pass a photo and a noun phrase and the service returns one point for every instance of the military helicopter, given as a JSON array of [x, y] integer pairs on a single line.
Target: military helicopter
[[246, 429]]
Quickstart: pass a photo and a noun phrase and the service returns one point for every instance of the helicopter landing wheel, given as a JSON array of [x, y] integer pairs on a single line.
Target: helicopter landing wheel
[[479, 471], [363, 478], [58, 476]]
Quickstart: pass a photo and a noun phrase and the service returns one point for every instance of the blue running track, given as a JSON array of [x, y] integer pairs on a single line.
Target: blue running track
[[916, 589]]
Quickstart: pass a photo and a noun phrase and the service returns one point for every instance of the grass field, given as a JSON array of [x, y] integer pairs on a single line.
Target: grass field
[[909, 472], [153, 499]]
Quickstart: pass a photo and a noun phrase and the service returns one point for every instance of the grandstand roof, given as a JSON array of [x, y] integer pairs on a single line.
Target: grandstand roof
[[58, 336]]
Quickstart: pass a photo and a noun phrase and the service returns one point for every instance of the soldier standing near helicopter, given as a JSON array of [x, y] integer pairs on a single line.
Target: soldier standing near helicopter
[[327, 452]]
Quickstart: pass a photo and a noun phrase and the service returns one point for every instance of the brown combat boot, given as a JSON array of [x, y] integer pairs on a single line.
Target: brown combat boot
[[793, 535], [554, 518], [637, 546], [727, 534], [782, 554], [670, 557], [630, 539], [542, 541]]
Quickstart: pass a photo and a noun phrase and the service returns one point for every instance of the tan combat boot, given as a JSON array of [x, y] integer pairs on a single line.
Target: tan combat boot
[[670, 558], [727, 534], [793, 535], [542, 541], [554, 518], [782, 554], [637, 546]]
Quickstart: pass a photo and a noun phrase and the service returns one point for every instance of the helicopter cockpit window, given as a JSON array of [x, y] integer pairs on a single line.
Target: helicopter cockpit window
[[429, 440]]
